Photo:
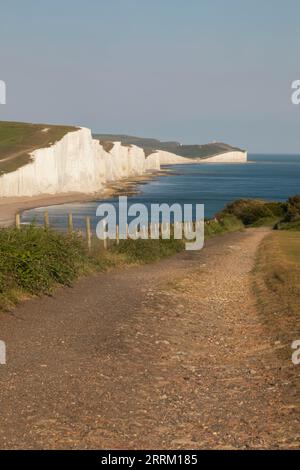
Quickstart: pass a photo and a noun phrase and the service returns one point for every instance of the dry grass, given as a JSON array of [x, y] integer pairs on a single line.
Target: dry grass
[[277, 285]]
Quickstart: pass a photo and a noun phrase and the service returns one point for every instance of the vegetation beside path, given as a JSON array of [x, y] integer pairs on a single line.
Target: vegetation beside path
[[276, 281], [257, 213], [277, 271], [277, 286], [34, 260]]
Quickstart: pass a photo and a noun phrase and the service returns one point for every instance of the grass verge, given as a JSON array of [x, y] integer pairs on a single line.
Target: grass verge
[[277, 286]]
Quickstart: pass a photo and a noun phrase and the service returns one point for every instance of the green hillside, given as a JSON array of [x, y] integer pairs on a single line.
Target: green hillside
[[150, 145], [18, 140]]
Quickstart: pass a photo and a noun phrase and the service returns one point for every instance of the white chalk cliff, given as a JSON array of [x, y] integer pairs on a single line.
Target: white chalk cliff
[[76, 163], [228, 157], [167, 158], [79, 163]]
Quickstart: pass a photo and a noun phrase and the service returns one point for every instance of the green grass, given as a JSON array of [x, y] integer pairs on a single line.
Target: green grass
[[225, 224], [18, 140], [33, 260], [147, 251], [265, 222], [292, 226]]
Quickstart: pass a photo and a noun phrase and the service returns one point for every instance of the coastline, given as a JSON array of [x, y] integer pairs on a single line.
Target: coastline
[[10, 206]]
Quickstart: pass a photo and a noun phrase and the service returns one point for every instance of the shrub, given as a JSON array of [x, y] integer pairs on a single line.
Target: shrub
[[293, 209], [250, 211], [223, 224], [34, 259]]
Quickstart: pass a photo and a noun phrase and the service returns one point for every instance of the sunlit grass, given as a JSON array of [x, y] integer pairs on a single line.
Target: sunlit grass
[[277, 284]]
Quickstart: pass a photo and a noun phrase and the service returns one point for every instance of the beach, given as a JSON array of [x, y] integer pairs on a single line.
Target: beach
[[10, 206]]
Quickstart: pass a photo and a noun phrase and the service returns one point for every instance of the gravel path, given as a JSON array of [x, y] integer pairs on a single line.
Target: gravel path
[[170, 355]]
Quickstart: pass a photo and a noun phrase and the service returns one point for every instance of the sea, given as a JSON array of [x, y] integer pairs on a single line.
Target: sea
[[269, 177]]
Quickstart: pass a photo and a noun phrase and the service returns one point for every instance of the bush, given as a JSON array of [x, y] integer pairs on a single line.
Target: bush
[[225, 223], [251, 211], [293, 209], [34, 259]]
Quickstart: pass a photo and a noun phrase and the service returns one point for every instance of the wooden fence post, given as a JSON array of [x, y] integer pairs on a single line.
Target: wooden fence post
[[186, 229], [70, 223], [88, 232], [46, 219], [18, 221]]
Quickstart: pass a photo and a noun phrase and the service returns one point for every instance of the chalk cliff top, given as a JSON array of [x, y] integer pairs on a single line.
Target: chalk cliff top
[[151, 145], [19, 139]]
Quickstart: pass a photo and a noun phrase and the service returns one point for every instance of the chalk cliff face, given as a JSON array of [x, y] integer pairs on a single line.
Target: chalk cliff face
[[228, 157], [76, 163], [168, 158]]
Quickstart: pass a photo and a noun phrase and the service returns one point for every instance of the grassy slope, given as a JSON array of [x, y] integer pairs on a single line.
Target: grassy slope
[[277, 285], [17, 140], [150, 145]]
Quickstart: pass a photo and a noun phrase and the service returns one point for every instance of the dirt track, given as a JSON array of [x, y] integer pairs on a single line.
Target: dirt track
[[172, 355]]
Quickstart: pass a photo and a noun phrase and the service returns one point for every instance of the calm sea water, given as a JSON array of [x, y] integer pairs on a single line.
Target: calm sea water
[[270, 177]]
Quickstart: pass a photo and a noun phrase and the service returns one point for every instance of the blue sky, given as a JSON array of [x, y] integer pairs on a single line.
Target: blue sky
[[187, 70]]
